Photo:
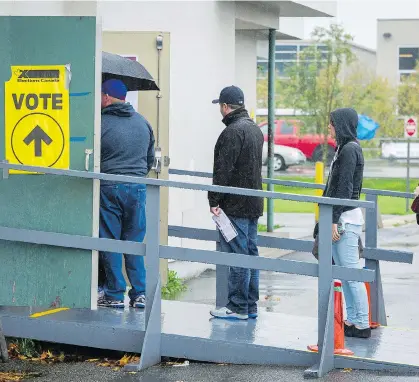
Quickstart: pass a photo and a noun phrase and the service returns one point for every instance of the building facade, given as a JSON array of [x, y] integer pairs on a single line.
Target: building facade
[[397, 48], [288, 53], [213, 44]]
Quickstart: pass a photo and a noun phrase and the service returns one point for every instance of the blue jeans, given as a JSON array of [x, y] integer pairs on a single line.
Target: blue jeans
[[346, 254], [243, 284], [122, 217]]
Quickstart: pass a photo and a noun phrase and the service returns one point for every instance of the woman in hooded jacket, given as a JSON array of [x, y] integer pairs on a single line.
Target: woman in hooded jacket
[[345, 182]]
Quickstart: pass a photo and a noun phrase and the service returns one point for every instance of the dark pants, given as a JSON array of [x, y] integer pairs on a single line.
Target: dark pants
[[243, 284], [122, 217]]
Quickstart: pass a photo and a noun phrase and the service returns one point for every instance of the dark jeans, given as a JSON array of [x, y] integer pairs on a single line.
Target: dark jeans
[[122, 217], [243, 284]]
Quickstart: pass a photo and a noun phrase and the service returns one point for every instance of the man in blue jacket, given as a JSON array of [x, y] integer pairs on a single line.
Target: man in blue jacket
[[127, 148]]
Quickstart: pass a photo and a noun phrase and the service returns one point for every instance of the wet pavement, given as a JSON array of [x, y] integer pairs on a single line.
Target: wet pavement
[[87, 372], [297, 295]]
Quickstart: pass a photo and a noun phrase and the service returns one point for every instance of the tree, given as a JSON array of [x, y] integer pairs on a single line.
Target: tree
[[408, 95], [374, 97], [314, 85]]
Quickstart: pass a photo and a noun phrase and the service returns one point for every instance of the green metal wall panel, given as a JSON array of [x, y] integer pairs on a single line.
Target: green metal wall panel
[[31, 274]]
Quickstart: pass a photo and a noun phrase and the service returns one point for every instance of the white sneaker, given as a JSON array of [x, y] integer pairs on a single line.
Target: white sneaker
[[227, 314]]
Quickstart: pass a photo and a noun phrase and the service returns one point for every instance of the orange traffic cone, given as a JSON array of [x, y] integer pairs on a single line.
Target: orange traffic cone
[[373, 325], [339, 328]]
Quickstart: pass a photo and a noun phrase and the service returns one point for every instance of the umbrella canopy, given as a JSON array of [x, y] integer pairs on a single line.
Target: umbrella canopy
[[134, 75], [366, 128]]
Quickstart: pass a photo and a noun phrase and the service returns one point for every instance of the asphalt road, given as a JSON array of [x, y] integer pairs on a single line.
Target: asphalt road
[[86, 372], [209, 373]]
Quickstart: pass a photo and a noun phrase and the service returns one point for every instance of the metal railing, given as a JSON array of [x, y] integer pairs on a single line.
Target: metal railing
[[372, 254], [153, 347]]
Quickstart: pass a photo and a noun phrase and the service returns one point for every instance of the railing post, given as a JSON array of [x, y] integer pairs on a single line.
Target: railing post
[[377, 306], [151, 350], [271, 126], [152, 259], [325, 282]]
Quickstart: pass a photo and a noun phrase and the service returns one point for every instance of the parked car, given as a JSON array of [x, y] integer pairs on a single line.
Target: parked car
[[287, 134], [284, 157]]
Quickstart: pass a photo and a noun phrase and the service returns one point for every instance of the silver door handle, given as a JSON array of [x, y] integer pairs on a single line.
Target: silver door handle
[[87, 153]]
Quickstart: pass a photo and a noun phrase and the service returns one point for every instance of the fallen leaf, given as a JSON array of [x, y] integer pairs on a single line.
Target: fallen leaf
[[93, 360], [125, 360], [347, 370], [104, 364]]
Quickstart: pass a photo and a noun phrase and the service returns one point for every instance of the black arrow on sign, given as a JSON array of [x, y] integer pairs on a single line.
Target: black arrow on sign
[[38, 135]]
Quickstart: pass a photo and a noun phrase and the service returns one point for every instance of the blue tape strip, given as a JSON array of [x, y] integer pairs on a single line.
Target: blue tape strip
[[81, 94], [77, 139]]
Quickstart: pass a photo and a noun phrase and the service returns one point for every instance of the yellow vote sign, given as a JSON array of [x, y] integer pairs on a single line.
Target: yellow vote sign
[[37, 117]]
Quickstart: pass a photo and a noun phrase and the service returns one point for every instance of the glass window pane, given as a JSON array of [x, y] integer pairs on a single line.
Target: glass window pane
[[282, 67], [287, 129], [286, 48], [408, 58], [262, 68], [286, 56]]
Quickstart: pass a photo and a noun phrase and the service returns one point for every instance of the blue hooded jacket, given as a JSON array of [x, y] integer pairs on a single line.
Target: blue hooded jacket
[[127, 146]]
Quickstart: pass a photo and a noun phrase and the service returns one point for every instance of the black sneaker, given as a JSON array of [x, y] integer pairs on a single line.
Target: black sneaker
[[361, 333], [139, 302], [108, 303], [349, 330]]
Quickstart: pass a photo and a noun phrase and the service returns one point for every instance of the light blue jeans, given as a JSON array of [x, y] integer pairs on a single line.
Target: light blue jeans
[[346, 254]]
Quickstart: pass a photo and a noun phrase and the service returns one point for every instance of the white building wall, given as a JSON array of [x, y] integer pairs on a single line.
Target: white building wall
[[404, 33], [202, 63], [246, 68]]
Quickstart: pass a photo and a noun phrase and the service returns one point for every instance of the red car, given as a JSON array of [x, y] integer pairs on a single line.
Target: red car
[[287, 134]]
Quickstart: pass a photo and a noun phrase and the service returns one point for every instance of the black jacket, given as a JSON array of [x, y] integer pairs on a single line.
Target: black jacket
[[346, 175], [238, 163]]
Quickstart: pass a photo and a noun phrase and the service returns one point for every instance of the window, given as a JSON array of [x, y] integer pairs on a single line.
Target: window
[[287, 129], [262, 67], [281, 68], [286, 48], [292, 56], [408, 58]]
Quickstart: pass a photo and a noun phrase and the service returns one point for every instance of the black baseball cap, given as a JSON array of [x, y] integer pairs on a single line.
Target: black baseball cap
[[231, 95]]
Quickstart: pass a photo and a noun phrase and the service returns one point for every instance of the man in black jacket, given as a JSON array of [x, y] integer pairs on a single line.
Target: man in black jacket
[[238, 163]]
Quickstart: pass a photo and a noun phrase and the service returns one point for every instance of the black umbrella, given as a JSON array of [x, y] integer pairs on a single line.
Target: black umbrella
[[131, 72]]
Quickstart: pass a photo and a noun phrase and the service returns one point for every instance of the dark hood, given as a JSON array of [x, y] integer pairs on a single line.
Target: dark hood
[[119, 109], [235, 115], [345, 121]]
